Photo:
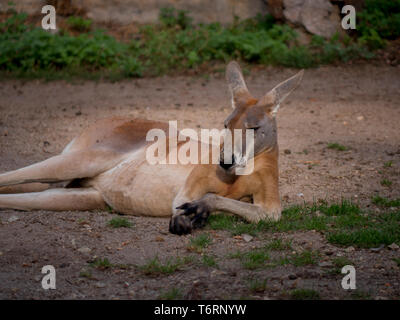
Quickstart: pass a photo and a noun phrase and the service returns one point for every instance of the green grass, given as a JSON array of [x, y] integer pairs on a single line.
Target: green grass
[[253, 259], [338, 264], [342, 223], [155, 267], [209, 261], [171, 294], [257, 286], [304, 258], [384, 202], [386, 182], [200, 242], [388, 164], [337, 146], [101, 264], [278, 245], [119, 222], [176, 44], [304, 294], [397, 260], [79, 24]]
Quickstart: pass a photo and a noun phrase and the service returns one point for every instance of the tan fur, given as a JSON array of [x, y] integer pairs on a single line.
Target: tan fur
[[106, 164]]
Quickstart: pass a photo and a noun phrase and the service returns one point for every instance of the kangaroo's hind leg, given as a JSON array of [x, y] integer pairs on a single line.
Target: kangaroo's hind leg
[[64, 167], [54, 200], [27, 187]]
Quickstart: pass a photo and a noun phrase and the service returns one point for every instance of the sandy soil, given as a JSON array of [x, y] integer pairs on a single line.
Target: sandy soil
[[354, 105]]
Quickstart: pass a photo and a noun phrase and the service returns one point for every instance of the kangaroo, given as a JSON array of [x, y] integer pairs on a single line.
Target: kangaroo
[[106, 165]]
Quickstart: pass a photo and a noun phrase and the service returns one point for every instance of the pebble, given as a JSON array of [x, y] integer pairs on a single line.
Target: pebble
[[378, 248], [325, 264], [349, 249], [247, 237], [100, 285], [84, 250], [13, 218], [292, 277], [393, 246]]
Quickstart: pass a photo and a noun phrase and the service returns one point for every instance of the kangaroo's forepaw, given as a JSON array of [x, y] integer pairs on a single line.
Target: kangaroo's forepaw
[[198, 211], [180, 224]]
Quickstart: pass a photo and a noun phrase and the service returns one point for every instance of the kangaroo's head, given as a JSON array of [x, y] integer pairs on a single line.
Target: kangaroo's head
[[251, 113]]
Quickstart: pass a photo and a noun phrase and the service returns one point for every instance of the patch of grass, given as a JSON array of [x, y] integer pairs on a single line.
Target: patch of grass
[[304, 294], [209, 261], [86, 273], [337, 146], [101, 264], [386, 182], [200, 242], [397, 260], [339, 263], [304, 258], [384, 202], [155, 267], [233, 224], [253, 259], [79, 24], [257, 286], [388, 164], [279, 245], [171, 294], [119, 222], [174, 44]]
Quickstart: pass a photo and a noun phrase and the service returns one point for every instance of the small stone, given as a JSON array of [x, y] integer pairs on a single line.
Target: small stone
[[247, 237], [360, 118], [393, 246], [13, 218], [84, 250], [378, 248], [325, 264], [301, 195], [287, 151], [349, 249], [292, 276], [100, 285]]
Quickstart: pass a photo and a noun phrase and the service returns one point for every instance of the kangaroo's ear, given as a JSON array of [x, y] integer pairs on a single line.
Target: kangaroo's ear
[[272, 100], [236, 83]]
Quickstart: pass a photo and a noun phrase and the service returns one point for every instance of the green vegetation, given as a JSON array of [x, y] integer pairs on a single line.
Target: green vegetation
[[171, 294], [342, 223], [386, 182], [209, 261], [101, 264], [384, 202], [337, 146], [79, 24], [155, 267], [379, 20], [388, 164], [304, 294], [119, 222], [397, 260], [177, 44], [200, 242], [256, 285], [279, 245], [254, 259], [339, 263]]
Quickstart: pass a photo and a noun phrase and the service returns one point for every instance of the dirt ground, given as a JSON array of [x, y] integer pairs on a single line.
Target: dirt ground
[[354, 105]]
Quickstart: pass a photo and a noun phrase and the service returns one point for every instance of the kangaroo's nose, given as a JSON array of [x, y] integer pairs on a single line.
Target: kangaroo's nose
[[226, 166]]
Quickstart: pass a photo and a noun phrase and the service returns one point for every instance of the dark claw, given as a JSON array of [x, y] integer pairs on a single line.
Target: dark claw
[[180, 225], [197, 211]]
